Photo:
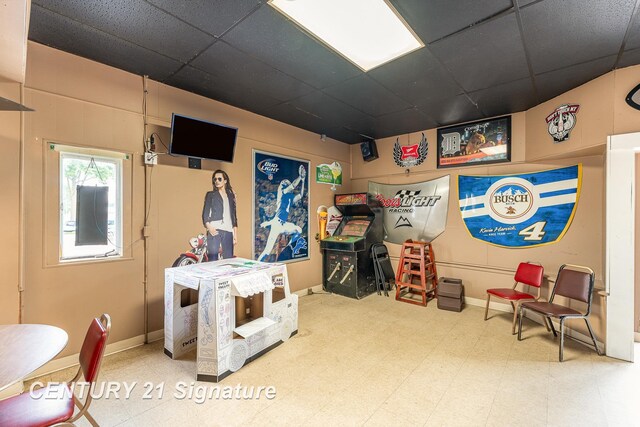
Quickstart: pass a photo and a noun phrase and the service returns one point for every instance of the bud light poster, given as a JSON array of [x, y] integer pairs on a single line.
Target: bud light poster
[[280, 208], [413, 211], [517, 211]]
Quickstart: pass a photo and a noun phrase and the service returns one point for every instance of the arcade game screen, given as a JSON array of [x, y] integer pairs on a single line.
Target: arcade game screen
[[356, 227]]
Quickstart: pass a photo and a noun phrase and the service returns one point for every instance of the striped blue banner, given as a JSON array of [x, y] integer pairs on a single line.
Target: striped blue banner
[[521, 210]]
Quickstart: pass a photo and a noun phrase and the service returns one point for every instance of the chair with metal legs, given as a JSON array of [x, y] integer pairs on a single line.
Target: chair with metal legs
[[528, 274], [576, 283], [37, 409]]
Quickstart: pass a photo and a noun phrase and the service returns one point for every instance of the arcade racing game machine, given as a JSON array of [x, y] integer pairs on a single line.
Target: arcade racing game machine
[[347, 267]]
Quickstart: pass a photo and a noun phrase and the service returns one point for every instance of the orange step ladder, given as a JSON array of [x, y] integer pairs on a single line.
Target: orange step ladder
[[416, 270]]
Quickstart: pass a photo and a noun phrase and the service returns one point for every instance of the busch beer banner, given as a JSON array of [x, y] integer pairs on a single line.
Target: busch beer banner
[[523, 210], [413, 211]]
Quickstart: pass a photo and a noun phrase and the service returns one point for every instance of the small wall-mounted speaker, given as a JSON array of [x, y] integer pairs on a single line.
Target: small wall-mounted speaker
[[369, 150], [195, 163]]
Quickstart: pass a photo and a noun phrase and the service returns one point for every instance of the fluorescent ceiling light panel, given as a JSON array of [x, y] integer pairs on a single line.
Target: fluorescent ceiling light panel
[[366, 32]]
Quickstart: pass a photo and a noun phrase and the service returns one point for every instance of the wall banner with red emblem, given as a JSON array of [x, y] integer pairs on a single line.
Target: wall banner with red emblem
[[413, 211], [407, 156], [562, 121]]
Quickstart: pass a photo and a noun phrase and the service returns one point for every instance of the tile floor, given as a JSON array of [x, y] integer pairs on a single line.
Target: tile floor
[[378, 362]]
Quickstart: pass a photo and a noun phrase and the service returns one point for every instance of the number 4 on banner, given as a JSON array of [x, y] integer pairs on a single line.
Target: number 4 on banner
[[534, 231]]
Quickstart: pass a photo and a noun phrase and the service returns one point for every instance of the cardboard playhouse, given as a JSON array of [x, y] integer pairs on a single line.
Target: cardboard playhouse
[[232, 311]]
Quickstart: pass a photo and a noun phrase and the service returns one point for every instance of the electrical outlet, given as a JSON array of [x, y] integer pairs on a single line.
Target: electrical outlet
[[150, 158]]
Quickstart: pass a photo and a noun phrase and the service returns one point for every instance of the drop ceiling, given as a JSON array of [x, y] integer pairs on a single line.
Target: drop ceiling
[[481, 57]]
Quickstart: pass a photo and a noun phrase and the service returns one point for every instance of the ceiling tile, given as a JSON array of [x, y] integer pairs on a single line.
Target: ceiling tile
[[417, 77], [270, 37], [559, 33], [435, 19], [557, 82], [137, 22], [485, 55], [401, 122], [288, 113], [213, 17], [452, 110], [506, 98], [62, 33], [633, 42], [524, 3], [197, 81], [629, 57], [473, 66], [236, 68], [367, 95], [334, 111], [342, 134]]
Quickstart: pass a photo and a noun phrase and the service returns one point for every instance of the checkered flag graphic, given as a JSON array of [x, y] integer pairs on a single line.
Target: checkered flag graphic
[[406, 193]]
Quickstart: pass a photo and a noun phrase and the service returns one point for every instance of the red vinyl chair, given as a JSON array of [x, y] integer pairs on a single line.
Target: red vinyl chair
[[55, 405], [528, 274]]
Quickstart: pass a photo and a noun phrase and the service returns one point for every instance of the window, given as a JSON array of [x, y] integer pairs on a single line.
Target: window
[[90, 206]]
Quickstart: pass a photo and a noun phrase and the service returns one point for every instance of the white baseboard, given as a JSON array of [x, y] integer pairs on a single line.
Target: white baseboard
[[493, 305], [155, 335], [314, 289], [72, 360], [12, 390]]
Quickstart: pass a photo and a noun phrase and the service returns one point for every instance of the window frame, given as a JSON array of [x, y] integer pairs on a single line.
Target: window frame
[[117, 163], [51, 198]]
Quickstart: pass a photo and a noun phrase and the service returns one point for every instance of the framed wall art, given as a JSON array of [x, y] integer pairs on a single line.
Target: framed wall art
[[280, 208], [475, 143]]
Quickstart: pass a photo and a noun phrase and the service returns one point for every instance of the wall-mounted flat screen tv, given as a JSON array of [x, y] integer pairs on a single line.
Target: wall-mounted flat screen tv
[[201, 139]]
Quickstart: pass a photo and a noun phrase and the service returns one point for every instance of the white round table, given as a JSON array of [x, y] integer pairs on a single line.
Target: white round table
[[26, 347]]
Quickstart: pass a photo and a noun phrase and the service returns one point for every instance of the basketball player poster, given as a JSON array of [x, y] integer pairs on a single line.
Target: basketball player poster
[[280, 208]]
